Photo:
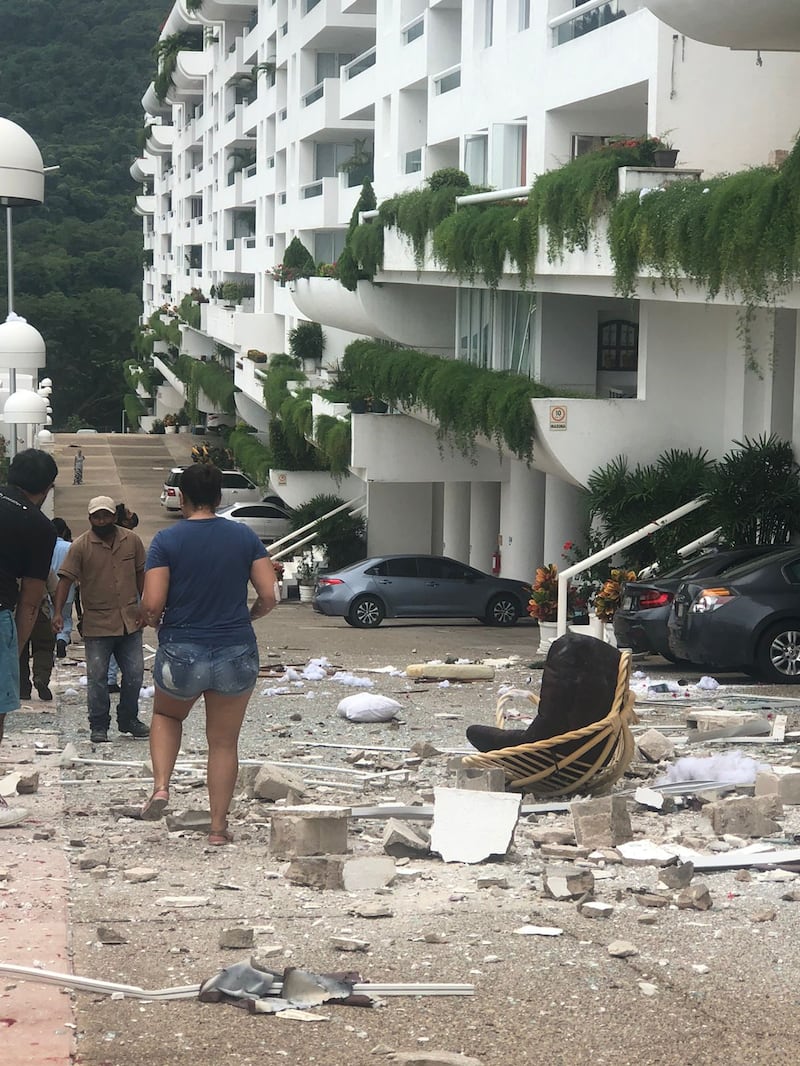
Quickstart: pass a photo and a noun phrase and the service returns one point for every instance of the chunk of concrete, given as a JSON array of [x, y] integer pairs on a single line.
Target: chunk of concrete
[[567, 882], [470, 826], [317, 871], [28, 783], [193, 821], [403, 841], [645, 853], [348, 943], [677, 876], [274, 783], [477, 780], [601, 822], [367, 873], [311, 830], [654, 746], [745, 816], [237, 937], [596, 909], [780, 781], [139, 875], [434, 1058], [695, 897]]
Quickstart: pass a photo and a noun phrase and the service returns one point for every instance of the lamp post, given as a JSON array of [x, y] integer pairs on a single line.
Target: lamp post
[[21, 184]]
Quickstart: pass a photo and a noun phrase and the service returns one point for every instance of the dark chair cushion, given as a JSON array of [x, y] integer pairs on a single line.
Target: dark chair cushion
[[578, 685]]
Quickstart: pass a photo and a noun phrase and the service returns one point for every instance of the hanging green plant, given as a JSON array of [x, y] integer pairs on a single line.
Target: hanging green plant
[[466, 401], [737, 234], [333, 439], [251, 456], [166, 54], [347, 267], [134, 409], [282, 368]]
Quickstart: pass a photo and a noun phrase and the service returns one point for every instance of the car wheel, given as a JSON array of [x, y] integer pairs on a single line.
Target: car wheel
[[778, 654], [366, 612], [502, 611]]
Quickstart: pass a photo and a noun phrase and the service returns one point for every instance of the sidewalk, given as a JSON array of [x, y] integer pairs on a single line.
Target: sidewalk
[[37, 1020]]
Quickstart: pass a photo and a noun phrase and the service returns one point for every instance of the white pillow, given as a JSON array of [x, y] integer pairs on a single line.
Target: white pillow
[[368, 707]]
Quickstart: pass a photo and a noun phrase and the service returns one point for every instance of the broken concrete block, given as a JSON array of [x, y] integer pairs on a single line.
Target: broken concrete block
[[564, 851], [654, 746], [245, 778], [477, 780], [622, 949], [567, 882], [139, 875], [695, 897], [595, 909], [371, 910], [404, 841], [107, 935], [348, 943], [782, 781], [434, 1058], [28, 783], [311, 830], [317, 871], [101, 857], [601, 822], [744, 816], [645, 853], [194, 821], [470, 826], [652, 899], [274, 783], [742, 723], [368, 872], [677, 876], [424, 749], [492, 881], [655, 800], [238, 937], [552, 836]]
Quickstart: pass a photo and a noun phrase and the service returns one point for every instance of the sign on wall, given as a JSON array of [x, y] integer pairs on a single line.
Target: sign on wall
[[558, 416]]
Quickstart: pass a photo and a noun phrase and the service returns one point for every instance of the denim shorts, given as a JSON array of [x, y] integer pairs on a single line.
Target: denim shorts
[[185, 671], [9, 663]]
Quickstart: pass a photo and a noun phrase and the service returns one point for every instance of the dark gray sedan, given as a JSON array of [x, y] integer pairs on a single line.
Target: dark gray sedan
[[746, 619], [418, 586]]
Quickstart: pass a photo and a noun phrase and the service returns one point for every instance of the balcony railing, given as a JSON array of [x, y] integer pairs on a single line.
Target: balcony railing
[[413, 30], [579, 21], [308, 192], [359, 64], [447, 80], [314, 94]]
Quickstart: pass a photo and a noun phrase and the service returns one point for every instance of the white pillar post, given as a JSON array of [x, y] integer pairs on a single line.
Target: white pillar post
[[484, 523], [522, 501], [455, 524], [565, 510]]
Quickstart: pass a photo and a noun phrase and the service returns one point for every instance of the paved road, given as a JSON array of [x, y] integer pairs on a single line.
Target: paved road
[[130, 468]]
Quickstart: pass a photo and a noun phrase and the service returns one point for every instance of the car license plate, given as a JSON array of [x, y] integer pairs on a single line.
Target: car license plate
[[627, 603]]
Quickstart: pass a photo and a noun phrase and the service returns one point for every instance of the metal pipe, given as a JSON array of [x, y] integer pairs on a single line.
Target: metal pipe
[[612, 549], [12, 371]]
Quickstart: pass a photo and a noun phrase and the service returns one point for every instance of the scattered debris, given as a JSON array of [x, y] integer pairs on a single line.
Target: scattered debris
[[470, 826]]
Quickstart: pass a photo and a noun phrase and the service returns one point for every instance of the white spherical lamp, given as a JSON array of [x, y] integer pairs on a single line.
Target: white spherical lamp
[[21, 346], [24, 407], [21, 167], [44, 436]]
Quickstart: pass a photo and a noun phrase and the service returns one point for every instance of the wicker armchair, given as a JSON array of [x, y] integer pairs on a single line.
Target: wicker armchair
[[581, 760]]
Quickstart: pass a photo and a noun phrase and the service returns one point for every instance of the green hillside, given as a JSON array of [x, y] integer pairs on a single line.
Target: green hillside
[[72, 73]]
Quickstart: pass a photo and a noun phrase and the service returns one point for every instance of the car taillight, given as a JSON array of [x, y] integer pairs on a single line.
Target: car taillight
[[172, 492], [711, 599], [329, 581], [654, 598]]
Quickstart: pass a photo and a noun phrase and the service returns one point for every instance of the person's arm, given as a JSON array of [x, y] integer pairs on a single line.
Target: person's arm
[[32, 591], [59, 599], [154, 596], [262, 577]]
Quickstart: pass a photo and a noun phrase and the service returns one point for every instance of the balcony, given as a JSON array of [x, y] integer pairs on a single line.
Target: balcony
[[319, 203], [587, 17], [161, 140], [358, 90], [770, 25], [445, 116], [143, 168], [242, 329], [320, 111], [323, 26], [191, 70], [145, 205]]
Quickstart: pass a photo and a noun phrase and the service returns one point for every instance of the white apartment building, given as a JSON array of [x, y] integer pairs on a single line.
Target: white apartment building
[[238, 162]]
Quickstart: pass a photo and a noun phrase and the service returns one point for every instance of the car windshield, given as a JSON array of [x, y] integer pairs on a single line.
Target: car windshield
[[752, 565]]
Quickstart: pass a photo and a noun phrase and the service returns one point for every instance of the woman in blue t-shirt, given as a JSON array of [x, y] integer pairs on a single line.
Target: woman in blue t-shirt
[[195, 592]]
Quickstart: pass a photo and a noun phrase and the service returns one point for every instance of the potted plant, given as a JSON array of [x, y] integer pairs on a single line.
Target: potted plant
[[306, 573], [543, 604], [158, 426], [170, 423], [609, 597], [664, 155], [182, 420]]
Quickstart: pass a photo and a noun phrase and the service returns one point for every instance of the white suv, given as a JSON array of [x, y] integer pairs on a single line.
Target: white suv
[[236, 487]]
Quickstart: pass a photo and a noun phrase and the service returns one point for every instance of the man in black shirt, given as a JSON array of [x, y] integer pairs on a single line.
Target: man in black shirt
[[27, 539]]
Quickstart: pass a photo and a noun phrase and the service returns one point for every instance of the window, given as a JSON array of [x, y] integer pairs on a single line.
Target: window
[[618, 345], [403, 567], [587, 142], [447, 82], [475, 157], [495, 329], [194, 256], [328, 245], [330, 63], [328, 158], [414, 31], [524, 14], [236, 481], [413, 161]]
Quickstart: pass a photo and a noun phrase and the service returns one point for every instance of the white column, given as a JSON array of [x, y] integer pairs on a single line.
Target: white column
[[484, 523], [522, 500], [455, 520], [437, 512], [399, 518], [565, 519]]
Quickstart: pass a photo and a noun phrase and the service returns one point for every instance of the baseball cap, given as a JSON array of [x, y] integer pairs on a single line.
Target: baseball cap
[[102, 503]]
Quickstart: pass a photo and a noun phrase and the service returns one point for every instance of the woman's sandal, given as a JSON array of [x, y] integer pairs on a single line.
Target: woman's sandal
[[155, 806], [217, 840]]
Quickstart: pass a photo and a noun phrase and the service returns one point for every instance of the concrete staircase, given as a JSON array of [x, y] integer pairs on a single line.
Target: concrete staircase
[[131, 468]]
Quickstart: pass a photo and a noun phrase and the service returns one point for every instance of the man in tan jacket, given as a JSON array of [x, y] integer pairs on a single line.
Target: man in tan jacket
[[108, 563]]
